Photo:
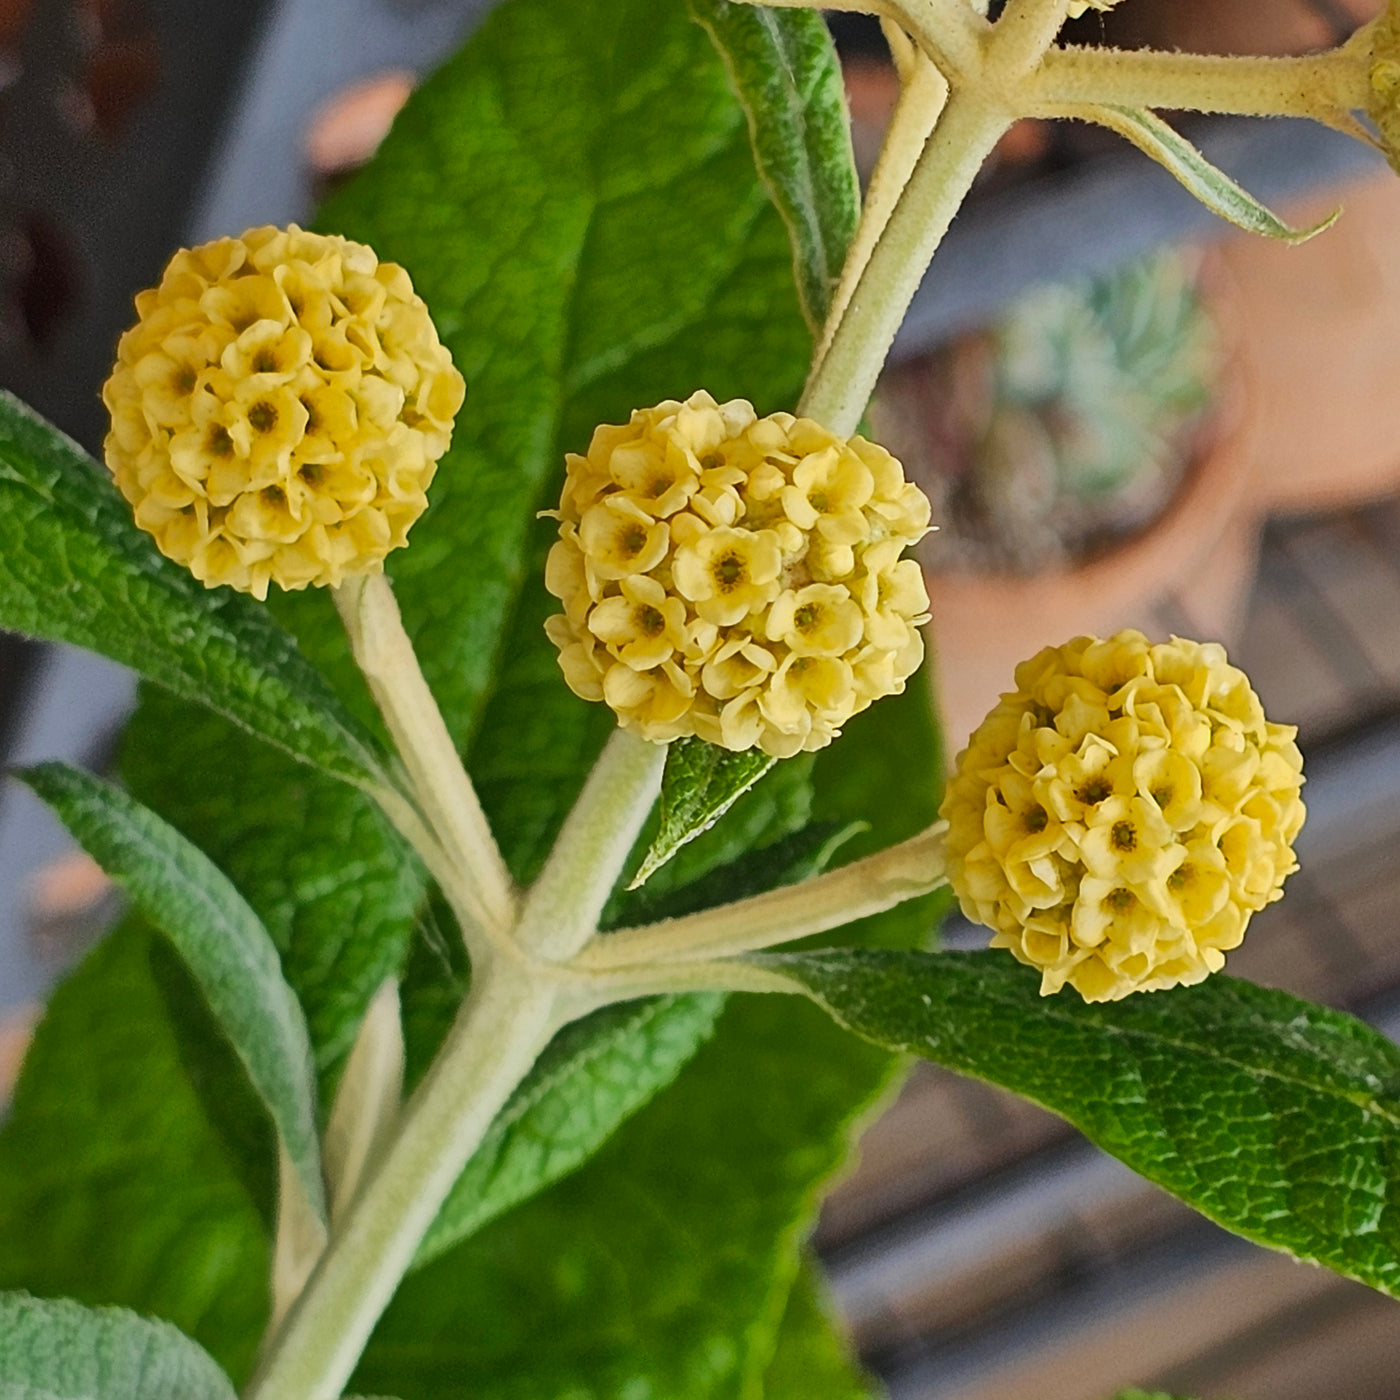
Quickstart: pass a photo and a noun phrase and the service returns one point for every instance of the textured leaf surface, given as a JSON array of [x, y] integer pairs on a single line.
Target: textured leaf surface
[[592, 1077], [662, 1267], [221, 940], [1276, 1118], [61, 1350], [74, 568], [785, 71], [576, 199], [114, 1186], [701, 783], [1215, 189]]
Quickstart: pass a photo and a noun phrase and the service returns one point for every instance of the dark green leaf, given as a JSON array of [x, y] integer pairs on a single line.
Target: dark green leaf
[[1216, 190], [113, 1185], [663, 1267], [594, 1076], [60, 1350], [74, 568], [701, 783], [221, 940], [1278, 1119], [785, 71]]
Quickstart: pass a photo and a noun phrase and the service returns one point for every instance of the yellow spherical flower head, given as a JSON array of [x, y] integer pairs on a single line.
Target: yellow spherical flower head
[[736, 577], [1119, 817], [279, 408]]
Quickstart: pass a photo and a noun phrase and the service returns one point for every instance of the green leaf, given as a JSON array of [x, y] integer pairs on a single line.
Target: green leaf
[[114, 1186], [64, 1351], [334, 885], [1215, 189], [663, 1267], [74, 568], [591, 1078], [701, 783], [1278, 1119], [788, 78], [221, 940], [813, 1360]]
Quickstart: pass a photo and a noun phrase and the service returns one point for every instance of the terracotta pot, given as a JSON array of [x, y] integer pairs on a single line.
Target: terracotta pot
[[1319, 330], [1201, 551]]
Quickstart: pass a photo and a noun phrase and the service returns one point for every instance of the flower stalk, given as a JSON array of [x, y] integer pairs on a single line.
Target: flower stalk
[[385, 655]]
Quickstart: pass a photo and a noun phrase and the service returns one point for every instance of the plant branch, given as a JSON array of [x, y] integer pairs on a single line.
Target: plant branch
[[562, 908], [1310, 85], [923, 93], [840, 386], [1023, 34], [864, 887], [502, 1027], [449, 802]]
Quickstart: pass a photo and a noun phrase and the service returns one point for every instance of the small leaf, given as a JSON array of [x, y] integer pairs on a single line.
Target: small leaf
[[1278, 1119], [701, 783], [60, 1350], [1216, 190], [784, 69], [74, 568], [221, 940]]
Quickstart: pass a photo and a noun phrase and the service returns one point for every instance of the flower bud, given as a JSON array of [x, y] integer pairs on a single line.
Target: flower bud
[[1121, 814], [735, 577], [279, 409]]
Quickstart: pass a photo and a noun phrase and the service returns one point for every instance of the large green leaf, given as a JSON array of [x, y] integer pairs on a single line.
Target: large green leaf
[[74, 568], [1276, 1118], [222, 941], [664, 1266], [576, 199], [592, 1077], [114, 1187], [63, 1351], [787, 76]]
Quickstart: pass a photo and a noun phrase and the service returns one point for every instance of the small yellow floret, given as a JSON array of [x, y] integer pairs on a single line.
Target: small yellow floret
[[279, 409], [736, 577], [1119, 817]]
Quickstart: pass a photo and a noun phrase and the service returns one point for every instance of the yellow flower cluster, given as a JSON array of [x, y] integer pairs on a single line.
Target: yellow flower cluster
[[1384, 106], [1120, 815], [736, 577], [279, 408]]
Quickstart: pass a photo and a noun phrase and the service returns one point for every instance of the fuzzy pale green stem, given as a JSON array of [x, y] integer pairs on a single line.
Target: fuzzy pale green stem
[[1023, 34], [1312, 85], [923, 92], [855, 891], [949, 31], [506, 1021], [841, 385], [385, 654], [562, 909]]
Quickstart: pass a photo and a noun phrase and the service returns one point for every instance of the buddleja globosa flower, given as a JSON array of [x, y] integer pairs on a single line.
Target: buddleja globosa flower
[[735, 577], [1119, 817], [279, 409]]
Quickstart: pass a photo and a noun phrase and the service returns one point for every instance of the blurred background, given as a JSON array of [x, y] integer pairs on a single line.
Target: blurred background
[[1126, 415]]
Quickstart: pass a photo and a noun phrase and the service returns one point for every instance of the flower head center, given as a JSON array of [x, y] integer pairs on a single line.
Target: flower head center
[[729, 569], [263, 416], [1124, 837]]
